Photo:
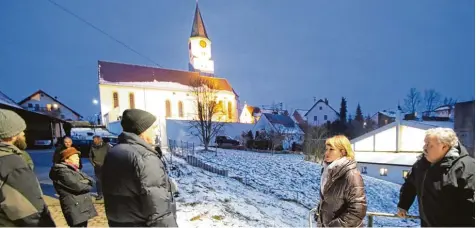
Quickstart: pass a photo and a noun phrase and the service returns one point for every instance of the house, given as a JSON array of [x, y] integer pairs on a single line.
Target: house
[[249, 114], [389, 152], [321, 113], [444, 111], [42, 102], [166, 93], [464, 124], [282, 126], [42, 130], [299, 116], [384, 117]]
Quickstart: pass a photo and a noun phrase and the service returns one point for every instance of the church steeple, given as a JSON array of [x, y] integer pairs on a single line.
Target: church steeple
[[198, 27], [200, 47]]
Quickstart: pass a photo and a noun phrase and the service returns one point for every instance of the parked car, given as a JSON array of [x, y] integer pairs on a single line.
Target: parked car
[[220, 140]]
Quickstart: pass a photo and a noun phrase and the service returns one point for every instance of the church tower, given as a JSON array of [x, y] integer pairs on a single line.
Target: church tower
[[200, 47]]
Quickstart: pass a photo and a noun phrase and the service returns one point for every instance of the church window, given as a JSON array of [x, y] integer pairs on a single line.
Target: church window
[[132, 103], [220, 107], [180, 109], [168, 111], [115, 99], [230, 110]]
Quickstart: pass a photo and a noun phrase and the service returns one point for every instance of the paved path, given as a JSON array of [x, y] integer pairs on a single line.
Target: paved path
[[55, 209]]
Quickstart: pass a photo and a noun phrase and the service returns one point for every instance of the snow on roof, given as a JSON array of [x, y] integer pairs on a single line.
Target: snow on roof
[[127, 73], [4, 99], [433, 124], [288, 130], [390, 158]]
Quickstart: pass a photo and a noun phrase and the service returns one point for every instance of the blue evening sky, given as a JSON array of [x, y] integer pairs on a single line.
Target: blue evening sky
[[369, 51]]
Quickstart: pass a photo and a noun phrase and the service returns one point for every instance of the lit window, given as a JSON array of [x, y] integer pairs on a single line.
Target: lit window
[[168, 111], [48, 107], [132, 102], [383, 171], [230, 110], [180, 109], [115, 99], [405, 173]]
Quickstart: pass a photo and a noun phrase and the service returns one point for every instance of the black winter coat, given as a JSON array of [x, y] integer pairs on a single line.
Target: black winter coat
[[445, 190], [73, 188], [136, 187]]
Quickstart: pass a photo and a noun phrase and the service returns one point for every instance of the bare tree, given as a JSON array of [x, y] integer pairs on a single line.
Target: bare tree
[[412, 100], [431, 99], [209, 113], [449, 101], [314, 142]]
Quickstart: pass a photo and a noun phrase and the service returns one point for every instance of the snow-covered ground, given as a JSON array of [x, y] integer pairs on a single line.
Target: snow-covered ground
[[289, 177]]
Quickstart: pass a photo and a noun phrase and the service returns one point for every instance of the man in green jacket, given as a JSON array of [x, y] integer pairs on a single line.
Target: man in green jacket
[[21, 201]]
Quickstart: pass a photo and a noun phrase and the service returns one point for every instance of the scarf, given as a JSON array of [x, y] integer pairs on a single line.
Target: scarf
[[327, 168]]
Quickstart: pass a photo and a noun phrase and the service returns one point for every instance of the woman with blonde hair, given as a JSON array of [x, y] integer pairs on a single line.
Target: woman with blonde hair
[[343, 201]]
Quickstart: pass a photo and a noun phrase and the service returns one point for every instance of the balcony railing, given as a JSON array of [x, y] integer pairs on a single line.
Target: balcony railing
[[370, 216]]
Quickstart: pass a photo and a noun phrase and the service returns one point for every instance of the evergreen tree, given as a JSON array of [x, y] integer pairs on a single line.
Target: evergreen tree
[[358, 114], [343, 110]]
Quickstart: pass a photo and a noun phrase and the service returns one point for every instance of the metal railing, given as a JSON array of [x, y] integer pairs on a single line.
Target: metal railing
[[370, 216]]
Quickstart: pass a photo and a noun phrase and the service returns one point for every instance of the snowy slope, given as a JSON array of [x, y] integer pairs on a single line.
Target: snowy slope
[[290, 177], [209, 200]]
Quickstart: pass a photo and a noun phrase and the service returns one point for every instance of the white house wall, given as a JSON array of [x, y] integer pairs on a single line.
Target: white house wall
[[394, 173], [320, 115], [412, 139], [366, 144], [386, 140]]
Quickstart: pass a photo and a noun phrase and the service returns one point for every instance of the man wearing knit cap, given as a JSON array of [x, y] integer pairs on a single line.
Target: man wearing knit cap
[[137, 190], [21, 202]]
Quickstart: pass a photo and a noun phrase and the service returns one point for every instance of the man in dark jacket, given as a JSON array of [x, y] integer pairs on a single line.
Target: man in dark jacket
[[136, 187], [97, 153], [21, 202], [443, 181]]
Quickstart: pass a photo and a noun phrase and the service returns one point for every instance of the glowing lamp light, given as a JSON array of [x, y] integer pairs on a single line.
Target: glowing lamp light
[[95, 101], [55, 106]]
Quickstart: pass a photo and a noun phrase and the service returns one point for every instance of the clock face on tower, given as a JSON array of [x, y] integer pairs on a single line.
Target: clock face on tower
[[203, 44]]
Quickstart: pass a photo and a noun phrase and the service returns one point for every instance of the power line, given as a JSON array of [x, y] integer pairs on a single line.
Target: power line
[[102, 31]]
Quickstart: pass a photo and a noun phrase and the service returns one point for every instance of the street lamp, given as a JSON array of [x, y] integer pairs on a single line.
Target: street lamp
[[95, 101]]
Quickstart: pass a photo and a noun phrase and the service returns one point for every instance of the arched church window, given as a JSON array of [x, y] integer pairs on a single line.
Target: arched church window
[[168, 110], [230, 110], [115, 99], [132, 102], [220, 107], [180, 109]]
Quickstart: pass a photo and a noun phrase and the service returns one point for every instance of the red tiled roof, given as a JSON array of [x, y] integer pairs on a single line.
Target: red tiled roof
[[120, 72]]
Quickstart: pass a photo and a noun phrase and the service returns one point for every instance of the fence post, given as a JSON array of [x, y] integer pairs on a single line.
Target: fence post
[[371, 221]]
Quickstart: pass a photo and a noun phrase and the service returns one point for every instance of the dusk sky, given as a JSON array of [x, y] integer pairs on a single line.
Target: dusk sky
[[369, 51]]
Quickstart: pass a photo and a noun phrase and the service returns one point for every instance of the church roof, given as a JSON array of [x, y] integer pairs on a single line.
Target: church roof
[[198, 27], [110, 72]]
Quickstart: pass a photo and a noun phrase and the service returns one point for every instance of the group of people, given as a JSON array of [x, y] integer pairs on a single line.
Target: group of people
[[138, 192], [442, 180]]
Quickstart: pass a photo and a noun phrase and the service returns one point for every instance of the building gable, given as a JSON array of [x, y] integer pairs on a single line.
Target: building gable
[[33, 102]]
